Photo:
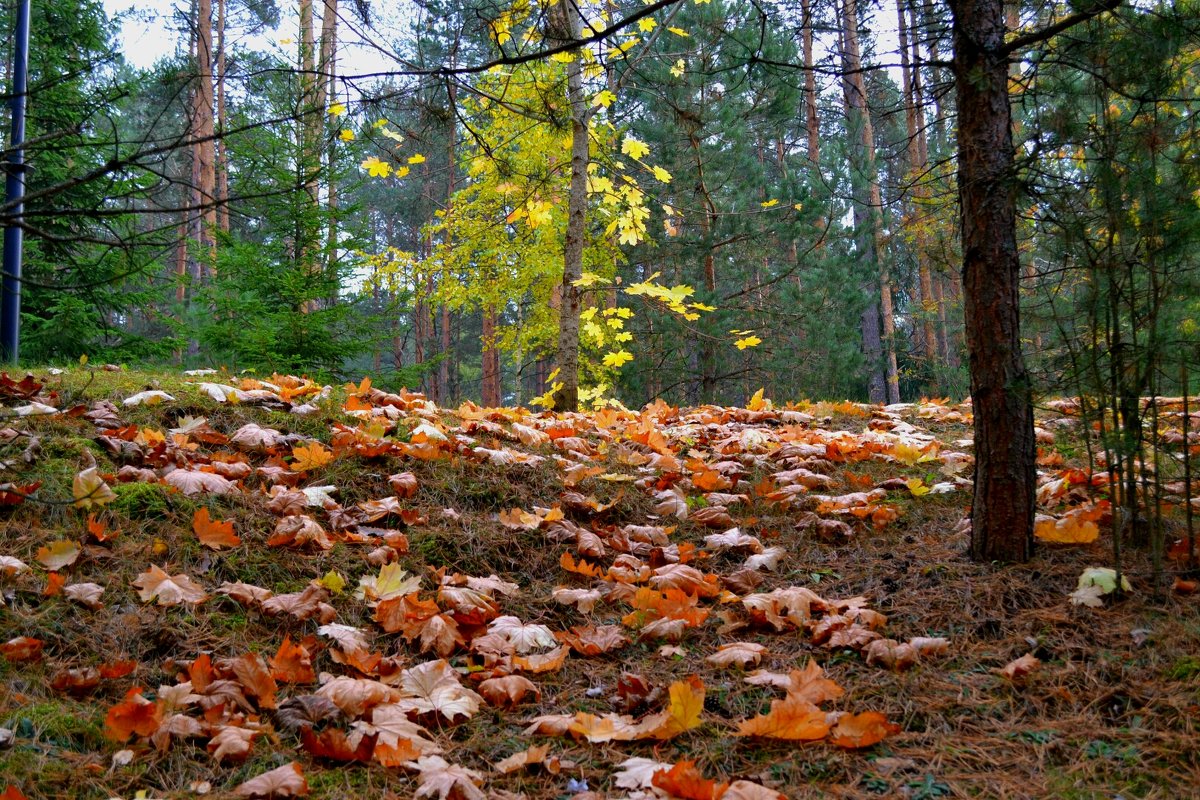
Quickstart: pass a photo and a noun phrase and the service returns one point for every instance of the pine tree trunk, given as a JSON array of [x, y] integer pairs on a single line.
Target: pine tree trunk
[[859, 115], [810, 86], [222, 153], [205, 148], [1005, 450], [566, 26], [914, 121]]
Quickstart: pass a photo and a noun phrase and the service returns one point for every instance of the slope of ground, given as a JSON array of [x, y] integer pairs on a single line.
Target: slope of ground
[[473, 584]]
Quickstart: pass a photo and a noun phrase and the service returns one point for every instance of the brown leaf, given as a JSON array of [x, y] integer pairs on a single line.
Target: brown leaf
[[447, 781], [508, 691], [231, 743], [168, 590], [58, 554], [1018, 668], [193, 482], [740, 654], [285, 781]]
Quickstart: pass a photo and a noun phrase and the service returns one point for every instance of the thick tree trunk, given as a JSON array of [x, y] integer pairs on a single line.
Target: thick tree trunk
[[566, 26], [1005, 450]]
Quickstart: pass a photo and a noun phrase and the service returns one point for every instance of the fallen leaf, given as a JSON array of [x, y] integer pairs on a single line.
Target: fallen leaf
[[739, 654], [168, 590], [90, 490], [58, 554], [285, 781], [1018, 668], [855, 731], [212, 533], [447, 781]]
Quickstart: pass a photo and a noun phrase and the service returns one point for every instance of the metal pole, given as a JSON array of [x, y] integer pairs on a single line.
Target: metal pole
[[14, 191]]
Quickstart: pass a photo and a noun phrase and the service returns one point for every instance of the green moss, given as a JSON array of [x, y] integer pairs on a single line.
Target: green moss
[[1183, 669], [139, 500], [71, 726]]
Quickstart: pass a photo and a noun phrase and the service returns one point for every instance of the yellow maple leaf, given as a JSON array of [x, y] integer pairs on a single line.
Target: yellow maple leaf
[[310, 456], [634, 148], [747, 341], [618, 358], [376, 168], [604, 99]]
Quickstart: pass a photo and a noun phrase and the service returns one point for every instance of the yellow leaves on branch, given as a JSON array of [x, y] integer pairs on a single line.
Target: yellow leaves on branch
[[634, 148], [376, 168]]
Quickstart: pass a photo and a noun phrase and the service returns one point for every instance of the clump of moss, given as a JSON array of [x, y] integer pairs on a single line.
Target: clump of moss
[[141, 500]]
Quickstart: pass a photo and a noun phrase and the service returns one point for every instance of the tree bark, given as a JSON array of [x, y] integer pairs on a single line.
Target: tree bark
[[917, 168], [566, 24], [1002, 510], [204, 131], [222, 153], [491, 394], [859, 115]]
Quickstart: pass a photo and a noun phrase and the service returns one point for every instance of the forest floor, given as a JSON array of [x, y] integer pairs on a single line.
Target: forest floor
[[576, 573]]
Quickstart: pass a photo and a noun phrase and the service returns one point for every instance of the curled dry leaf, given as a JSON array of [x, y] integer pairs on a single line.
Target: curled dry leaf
[[256, 438], [525, 758], [792, 718], [285, 781], [583, 599], [685, 781], [508, 691], [1019, 668], [168, 590], [433, 688], [299, 531], [855, 731], [231, 743], [446, 781], [22, 648], [305, 711], [739, 654], [87, 594], [192, 482], [59, 554], [353, 696], [90, 490], [748, 790], [593, 641], [133, 715], [524, 638]]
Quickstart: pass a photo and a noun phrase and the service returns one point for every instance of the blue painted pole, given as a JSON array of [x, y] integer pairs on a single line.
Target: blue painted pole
[[14, 191]]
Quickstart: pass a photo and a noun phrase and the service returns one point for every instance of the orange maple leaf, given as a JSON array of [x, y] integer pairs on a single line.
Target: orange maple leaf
[[212, 533], [292, 664], [685, 781], [792, 718], [134, 714], [855, 731]]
